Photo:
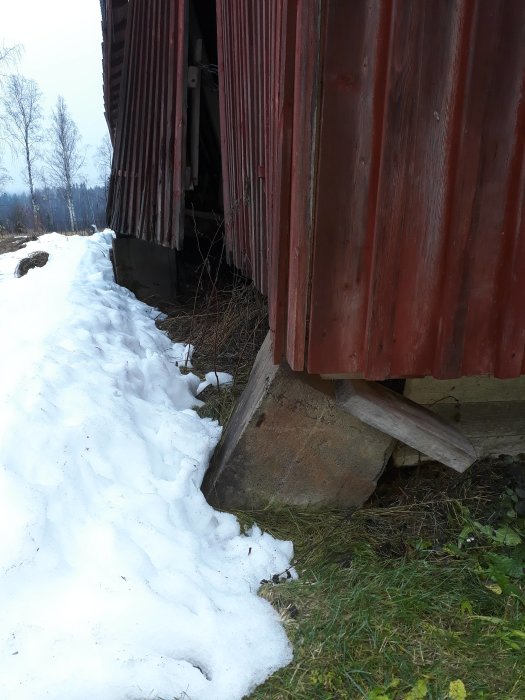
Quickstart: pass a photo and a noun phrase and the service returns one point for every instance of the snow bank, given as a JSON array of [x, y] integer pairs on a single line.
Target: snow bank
[[117, 580]]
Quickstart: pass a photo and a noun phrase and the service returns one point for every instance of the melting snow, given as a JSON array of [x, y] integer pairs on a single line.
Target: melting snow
[[117, 580]]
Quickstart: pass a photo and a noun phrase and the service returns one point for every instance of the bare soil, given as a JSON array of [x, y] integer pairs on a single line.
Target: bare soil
[[11, 242]]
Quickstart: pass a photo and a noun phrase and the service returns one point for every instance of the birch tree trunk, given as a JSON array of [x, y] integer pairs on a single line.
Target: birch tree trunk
[[65, 160], [34, 205], [22, 118], [71, 211]]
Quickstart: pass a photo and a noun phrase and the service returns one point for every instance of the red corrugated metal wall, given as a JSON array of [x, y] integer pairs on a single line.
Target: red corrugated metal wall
[[145, 78], [374, 180]]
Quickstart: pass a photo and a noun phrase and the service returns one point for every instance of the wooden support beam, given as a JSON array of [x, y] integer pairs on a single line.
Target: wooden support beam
[[407, 421]]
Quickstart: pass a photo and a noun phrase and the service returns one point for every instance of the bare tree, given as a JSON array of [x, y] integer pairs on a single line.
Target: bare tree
[[9, 56], [23, 123], [64, 160], [4, 178], [103, 160]]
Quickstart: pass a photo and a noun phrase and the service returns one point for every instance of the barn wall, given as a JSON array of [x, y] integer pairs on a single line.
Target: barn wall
[[373, 170], [374, 177], [145, 77]]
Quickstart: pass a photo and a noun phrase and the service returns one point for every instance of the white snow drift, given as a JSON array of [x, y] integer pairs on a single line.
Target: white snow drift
[[117, 580]]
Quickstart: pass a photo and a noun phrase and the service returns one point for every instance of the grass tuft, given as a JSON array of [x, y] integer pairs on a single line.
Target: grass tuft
[[400, 600]]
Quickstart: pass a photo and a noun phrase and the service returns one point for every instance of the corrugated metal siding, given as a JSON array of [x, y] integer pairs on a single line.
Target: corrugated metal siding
[[256, 48], [114, 17], [245, 105], [148, 78], [399, 249]]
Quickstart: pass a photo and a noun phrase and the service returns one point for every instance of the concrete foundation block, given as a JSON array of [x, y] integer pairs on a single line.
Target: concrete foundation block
[[289, 443], [147, 269]]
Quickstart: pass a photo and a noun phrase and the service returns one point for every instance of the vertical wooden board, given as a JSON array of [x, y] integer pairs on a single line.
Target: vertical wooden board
[[123, 126], [160, 169], [511, 327], [169, 118], [114, 23], [149, 126], [223, 42], [179, 141], [224, 93], [152, 209], [156, 174], [114, 194], [129, 124], [247, 40], [471, 305], [279, 215], [499, 168], [239, 134], [136, 120], [442, 29], [143, 188], [355, 48], [408, 248], [304, 148], [237, 127], [257, 85], [250, 88], [259, 172], [444, 217], [463, 149]]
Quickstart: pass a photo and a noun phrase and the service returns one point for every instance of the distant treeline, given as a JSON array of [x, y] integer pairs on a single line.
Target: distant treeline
[[16, 212]]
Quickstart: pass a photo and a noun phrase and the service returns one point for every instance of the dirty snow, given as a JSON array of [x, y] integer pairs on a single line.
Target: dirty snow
[[117, 580], [215, 379]]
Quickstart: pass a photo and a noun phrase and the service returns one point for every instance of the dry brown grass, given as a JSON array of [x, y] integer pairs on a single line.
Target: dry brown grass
[[226, 326], [395, 602]]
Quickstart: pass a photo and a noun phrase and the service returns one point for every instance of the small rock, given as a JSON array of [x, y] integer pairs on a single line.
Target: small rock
[[37, 259]]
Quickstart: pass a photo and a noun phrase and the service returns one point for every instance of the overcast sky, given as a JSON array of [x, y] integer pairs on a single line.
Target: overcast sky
[[61, 40]]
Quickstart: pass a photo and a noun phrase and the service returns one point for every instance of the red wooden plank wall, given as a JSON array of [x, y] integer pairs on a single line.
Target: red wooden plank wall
[[374, 180], [146, 77]]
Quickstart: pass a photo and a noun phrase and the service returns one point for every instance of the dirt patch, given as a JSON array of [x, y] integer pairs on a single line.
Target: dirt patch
[[37, 259], [426, 492], [10, 243]]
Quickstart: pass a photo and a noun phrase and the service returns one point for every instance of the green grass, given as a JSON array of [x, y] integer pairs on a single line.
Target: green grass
[[399, 601]]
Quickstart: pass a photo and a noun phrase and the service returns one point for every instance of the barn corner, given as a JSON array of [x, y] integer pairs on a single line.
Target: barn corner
[[363, 166]]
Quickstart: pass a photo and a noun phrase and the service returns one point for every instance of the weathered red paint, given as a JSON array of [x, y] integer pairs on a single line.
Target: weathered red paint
[[395, 232], [145, 74], [373, 165], [280, 129]]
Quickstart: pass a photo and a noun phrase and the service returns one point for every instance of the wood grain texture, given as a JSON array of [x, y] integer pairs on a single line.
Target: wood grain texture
[[373, 171], [406, 421]]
